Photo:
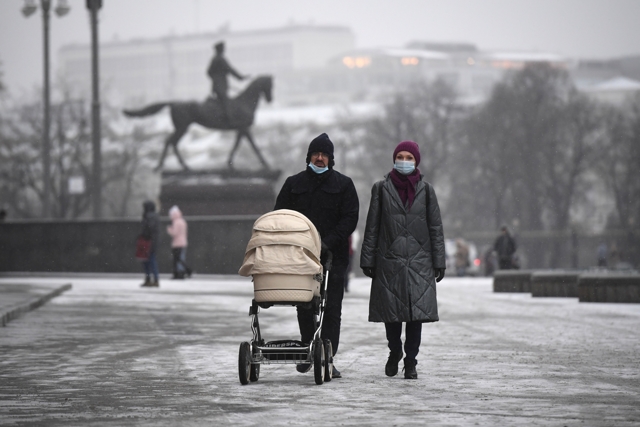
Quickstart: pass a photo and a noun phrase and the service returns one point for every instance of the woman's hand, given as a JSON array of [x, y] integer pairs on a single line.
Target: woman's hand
[[439, 273]]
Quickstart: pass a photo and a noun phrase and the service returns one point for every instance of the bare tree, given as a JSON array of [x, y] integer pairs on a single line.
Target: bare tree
[[21, 182], [2, 86], [424, 113], [524, 154], [620, 159], [484, 174], [618, 167]]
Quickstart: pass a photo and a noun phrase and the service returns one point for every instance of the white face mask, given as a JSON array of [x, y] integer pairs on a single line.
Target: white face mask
[[404, 167], [318, 170]]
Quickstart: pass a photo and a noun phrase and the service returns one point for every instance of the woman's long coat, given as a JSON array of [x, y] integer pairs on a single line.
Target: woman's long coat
[[404, 247]]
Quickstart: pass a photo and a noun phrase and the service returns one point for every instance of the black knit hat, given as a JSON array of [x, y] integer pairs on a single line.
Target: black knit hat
[[321, 144]]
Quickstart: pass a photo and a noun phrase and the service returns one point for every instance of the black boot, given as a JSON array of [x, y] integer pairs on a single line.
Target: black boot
[[146, 283], [410, 369], [391, 368]]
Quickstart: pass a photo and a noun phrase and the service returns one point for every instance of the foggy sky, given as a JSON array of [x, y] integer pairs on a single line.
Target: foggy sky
[[574, 28]]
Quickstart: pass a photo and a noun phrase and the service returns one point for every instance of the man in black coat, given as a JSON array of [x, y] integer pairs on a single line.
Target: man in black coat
[[330, 201], [505, 247]]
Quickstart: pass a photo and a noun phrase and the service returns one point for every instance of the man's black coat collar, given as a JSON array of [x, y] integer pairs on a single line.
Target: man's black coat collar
[[308, 180]]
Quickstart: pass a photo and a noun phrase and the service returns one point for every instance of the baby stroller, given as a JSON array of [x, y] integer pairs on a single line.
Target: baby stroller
[[283, 256]]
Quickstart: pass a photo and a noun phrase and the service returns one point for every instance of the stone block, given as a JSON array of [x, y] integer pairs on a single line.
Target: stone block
[[512, 281], [613, 287], [554, 284]]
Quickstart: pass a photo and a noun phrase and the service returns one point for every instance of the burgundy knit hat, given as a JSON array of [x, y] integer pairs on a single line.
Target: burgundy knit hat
[[409, 146]]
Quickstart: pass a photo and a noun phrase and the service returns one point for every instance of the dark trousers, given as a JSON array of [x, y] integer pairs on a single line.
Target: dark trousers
[[505, 263], [151, 267], [180, 266], [413, 335], [332, 313]]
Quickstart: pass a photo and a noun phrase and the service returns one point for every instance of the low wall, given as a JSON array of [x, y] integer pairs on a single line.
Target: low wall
[[609, 288], [554, 284], [216, 245], [512, 281]]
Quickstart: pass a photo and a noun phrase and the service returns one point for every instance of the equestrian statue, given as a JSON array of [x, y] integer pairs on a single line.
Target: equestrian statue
[[233, 114]]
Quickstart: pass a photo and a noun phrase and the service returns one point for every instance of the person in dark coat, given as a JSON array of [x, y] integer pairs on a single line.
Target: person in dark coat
[[505, 246], [329, 199], [403, 252], [150, 231], [218, 69]]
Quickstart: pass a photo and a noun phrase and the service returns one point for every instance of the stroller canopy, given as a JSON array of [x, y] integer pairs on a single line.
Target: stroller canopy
[[282, 242]]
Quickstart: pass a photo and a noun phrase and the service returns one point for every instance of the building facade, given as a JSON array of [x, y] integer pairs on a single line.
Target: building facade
[[310, 64], [174, 67]]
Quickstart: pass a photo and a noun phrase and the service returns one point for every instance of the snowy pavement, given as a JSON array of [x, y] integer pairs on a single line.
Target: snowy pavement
[[109, 352]]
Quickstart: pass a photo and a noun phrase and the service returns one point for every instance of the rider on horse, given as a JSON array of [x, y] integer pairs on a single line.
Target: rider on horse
[[217, 71]]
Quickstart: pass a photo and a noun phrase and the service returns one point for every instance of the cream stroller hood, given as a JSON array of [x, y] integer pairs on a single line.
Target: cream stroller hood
[[282, 242]]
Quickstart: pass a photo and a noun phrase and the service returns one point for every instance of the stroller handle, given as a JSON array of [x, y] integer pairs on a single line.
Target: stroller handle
[[329, 262]]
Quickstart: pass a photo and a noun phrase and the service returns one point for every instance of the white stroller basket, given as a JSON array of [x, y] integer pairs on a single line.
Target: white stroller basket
[[283, 256]]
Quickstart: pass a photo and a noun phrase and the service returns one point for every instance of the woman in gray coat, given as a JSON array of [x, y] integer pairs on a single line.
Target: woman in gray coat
[[403, 252]]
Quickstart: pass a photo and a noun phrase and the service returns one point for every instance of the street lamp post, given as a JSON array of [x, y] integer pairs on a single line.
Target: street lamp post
[[61, 10], [93, 6]]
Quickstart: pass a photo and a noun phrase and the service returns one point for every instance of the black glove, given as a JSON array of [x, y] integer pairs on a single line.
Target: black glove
[[439, 274], [369, 272]]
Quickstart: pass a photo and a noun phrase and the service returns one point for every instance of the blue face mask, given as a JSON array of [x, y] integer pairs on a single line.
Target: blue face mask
[[318, 170], [404, 167]]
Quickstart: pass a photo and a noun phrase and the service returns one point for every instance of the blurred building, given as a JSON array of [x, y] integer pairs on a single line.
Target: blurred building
[[613, 91], [470, 71], [320, 65], [174, 67], [612, 81]]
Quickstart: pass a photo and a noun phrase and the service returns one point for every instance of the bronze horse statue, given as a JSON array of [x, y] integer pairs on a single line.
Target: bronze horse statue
[[210, 114]]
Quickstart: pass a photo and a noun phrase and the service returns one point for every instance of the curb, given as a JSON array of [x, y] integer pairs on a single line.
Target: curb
[[31, 304]]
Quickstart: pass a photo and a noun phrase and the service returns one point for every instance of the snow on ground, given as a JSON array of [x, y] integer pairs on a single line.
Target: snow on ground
[[109, 349]]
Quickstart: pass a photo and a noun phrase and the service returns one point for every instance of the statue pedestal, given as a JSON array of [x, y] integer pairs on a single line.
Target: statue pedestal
[[219, 192]]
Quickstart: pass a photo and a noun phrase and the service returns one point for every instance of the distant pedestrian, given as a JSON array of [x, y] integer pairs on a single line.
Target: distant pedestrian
[[613, 258], [505, 246], [3, 215], [178, 231], [601, 254], [150, 231], [403, 251], [489, 261], [461, 258]]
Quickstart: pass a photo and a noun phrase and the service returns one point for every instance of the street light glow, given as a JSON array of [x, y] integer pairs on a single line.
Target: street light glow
[[410, 60], [356, 62]]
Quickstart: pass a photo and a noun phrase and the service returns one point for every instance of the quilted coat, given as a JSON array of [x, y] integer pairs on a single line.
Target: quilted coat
[[403, 247]]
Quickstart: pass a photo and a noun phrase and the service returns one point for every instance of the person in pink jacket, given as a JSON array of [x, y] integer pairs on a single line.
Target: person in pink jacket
[[178, 231]]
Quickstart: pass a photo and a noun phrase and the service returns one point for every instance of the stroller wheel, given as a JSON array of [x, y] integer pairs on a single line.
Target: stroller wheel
[[244, 363], [254, 370], [328, 361], [318, 361]]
